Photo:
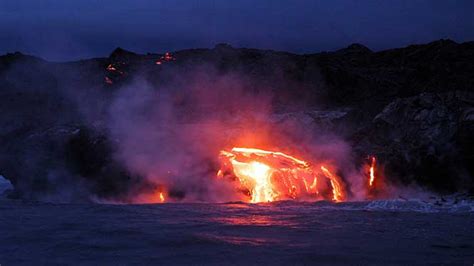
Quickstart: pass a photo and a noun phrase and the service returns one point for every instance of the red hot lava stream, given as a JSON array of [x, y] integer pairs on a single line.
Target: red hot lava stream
[[267, 176]]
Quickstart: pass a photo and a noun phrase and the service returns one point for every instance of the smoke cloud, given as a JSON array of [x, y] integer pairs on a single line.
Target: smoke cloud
[[171, 135]]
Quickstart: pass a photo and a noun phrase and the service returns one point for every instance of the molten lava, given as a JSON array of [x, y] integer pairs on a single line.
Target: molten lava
[[165, 58], [111, 67], [162, 197], [337, 194], [372, 172], [266, 176], [108, 80]]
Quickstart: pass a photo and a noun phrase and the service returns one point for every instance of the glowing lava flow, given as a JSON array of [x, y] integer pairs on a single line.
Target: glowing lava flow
[[372, 171], [165, 58], [260, 173], [267, 176], [162, 197], [335, 183]]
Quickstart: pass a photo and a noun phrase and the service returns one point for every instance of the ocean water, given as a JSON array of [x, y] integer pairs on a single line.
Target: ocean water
[[282, 233]]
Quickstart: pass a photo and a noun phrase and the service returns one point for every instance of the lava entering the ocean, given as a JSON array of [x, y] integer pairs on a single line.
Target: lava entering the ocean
[[259, 176], [266, 176]]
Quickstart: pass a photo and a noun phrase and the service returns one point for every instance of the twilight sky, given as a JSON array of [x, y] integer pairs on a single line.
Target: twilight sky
[[66, 30]]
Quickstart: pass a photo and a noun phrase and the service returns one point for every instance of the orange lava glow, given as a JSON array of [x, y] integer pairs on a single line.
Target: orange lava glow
[[165, 58], [335, 183], [162, 197], [111, 67], [372, 171], [266, 176], [115, 68], [108, 80]]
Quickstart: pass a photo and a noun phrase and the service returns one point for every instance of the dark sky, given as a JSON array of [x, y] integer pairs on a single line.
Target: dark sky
[[67, 30]]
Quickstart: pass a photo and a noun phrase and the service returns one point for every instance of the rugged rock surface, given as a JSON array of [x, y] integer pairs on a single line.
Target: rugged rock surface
[[428, 138], [411, 106], [65, 163]]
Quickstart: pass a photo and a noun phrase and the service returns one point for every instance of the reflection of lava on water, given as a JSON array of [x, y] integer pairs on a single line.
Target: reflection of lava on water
[[258, 220]]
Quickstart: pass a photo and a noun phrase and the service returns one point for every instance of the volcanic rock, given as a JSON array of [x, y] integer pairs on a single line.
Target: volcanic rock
[[428, 139], [411, 106]]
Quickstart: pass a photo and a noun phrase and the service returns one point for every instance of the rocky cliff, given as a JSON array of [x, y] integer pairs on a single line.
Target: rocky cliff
[[413, 107]]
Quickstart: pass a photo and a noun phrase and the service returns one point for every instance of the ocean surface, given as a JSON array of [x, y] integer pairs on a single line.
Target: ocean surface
[[402, 232]]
